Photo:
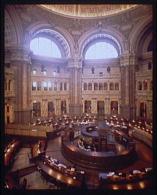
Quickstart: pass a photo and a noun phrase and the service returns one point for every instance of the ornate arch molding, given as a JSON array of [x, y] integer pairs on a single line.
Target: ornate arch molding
[[15, 22], [116, 38], [138, 32], [58, 35], [145, 42], [10, 32]]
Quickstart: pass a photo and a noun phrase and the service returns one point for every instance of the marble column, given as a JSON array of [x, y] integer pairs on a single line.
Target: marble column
[[21, 62], [75, 87], [128, 87]]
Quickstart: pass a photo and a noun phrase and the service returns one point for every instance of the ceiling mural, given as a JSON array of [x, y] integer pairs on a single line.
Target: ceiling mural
[[87, 11]]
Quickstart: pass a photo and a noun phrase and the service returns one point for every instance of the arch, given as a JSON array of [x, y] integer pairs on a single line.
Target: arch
[[146, 41], [60, 35], [110, 33], [137, 33], [11, 38], [15, 22]]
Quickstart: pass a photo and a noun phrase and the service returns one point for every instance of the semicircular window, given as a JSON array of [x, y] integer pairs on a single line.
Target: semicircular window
[[101, 50], [45, 47]]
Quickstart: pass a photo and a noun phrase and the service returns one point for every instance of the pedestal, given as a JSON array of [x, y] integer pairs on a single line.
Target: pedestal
[[23, 116]]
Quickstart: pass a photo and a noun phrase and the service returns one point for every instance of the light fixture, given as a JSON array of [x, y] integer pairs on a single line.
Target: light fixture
[[115, 187], [129, 187], [142, 184]]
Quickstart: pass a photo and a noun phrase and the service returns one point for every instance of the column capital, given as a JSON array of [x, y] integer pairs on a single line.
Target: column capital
[[75, 62], [128, 59]]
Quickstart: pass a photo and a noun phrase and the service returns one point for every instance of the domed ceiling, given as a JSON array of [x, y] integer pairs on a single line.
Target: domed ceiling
[[86, 10]]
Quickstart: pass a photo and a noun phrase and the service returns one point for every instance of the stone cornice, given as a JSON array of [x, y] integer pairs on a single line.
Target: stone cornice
[[128, 59], [75, 63], [20, 54]]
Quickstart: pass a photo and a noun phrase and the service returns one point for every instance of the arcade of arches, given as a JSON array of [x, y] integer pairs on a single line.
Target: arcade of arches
[[58, 64], [72, 69]]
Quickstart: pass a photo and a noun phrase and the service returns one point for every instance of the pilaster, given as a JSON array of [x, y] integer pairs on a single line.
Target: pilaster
[[75, 106], [128, 87], [21, 61]]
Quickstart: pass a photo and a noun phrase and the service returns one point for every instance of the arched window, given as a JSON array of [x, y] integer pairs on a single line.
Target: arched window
[[101, 50], [45, 47], [39, 85], [44, 85], [49, 85], [55, 86], [34, 85], [85, 86]]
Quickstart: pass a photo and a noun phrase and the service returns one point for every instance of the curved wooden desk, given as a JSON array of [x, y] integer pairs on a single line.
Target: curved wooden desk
[[59, 176]]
